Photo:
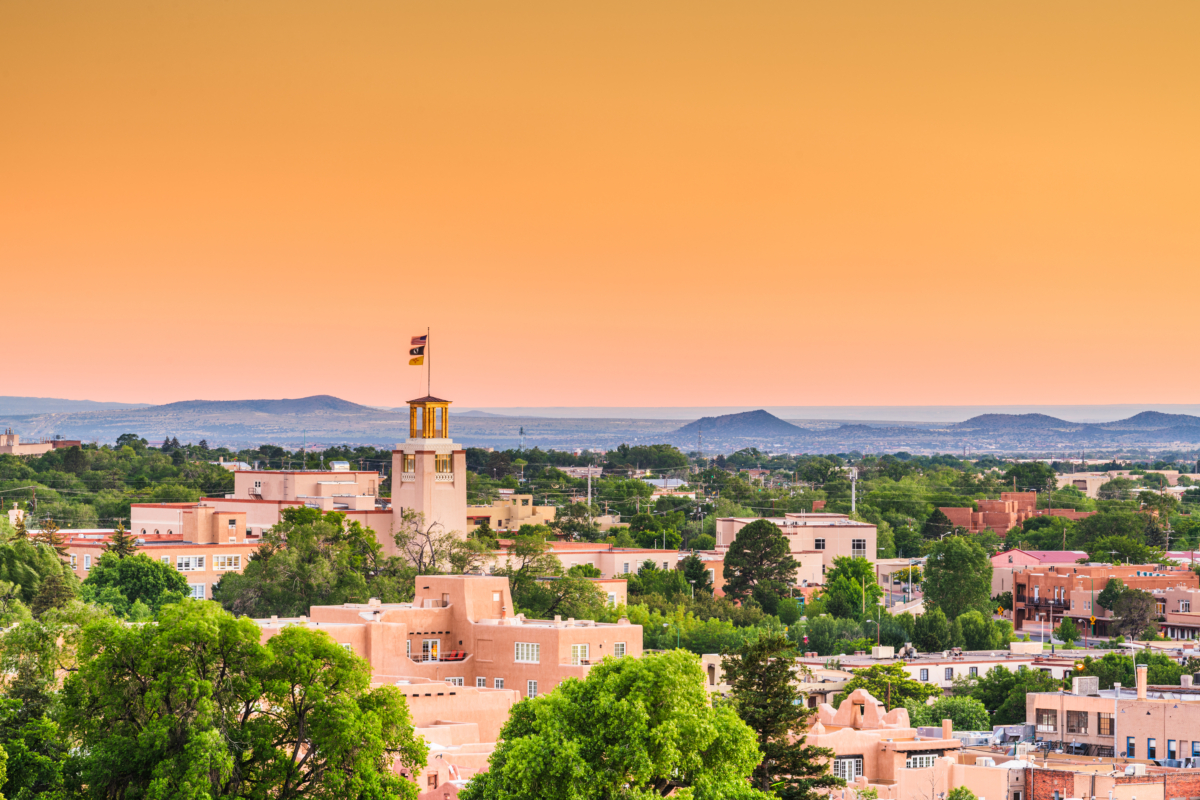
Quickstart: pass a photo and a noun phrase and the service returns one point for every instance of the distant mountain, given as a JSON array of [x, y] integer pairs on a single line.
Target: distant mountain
[[317, 404], [1152, 420], [474, 413], [15, 406], [1016, 423], [748, 424]]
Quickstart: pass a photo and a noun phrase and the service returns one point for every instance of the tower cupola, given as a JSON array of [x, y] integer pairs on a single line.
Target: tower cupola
[[429, 418]]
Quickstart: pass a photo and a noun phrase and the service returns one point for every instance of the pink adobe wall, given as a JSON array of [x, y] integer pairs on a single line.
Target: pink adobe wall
[[441, 502], [289, 485], [78, 549]]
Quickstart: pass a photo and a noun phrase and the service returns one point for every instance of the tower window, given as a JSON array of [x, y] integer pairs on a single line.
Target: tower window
[[442, 463]]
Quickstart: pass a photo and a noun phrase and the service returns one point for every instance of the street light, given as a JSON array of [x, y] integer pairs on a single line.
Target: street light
[[693, 583]]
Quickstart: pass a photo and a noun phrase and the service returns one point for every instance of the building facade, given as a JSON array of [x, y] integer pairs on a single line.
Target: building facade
[[815, 540]]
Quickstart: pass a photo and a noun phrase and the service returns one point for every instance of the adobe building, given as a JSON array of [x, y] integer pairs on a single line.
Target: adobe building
[[460, 630], [510, 512], [1012, 509], [429, 472], [815, 540], [1049, 593], [1008, 561], [11, 443]]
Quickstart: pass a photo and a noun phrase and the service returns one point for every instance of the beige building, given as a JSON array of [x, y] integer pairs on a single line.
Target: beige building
[[815, 540], [510, 512], [11, 443]]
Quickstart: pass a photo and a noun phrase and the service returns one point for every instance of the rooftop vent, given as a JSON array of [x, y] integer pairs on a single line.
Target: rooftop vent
[[339, 466]]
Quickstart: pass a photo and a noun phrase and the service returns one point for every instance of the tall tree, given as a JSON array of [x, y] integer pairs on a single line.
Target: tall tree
[[958, 577], [759, 556], [175, 710], [696, 574], [882, 680], [762, 681], [121, 543], [51, 536], [1136, 611], [937, 525], [932, 632], [633, 727]]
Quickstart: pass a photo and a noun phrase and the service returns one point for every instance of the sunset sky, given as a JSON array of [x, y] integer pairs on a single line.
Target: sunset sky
[[617, 203]]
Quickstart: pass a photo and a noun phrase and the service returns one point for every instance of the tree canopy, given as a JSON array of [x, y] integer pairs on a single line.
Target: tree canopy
[[958, 577], [758, 558], [120, 583]]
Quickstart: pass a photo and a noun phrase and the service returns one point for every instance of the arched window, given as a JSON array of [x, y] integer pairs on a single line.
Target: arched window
[[156, 531], [143, 531], [168, 531]]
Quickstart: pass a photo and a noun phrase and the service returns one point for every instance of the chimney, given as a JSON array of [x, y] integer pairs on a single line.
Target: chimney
[[1185, 681], [947, 729], [1141, 681]]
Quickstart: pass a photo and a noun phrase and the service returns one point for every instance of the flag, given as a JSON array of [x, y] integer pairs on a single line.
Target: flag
[[416, 362], [419, 340], [417, 351]]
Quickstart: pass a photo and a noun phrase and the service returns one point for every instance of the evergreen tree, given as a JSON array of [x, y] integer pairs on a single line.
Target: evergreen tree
[[762, 683], [937, 525], [50, 535], [21, 533], [55, 592], [121, 544], [166, 445], [759, 556], [175, 445], [696, 574]]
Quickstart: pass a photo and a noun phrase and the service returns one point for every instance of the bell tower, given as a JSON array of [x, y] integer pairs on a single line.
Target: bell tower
[[429, 472]]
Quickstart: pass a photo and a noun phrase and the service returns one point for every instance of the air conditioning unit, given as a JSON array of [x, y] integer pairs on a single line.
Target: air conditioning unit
[[985, 761], [1135, 769]]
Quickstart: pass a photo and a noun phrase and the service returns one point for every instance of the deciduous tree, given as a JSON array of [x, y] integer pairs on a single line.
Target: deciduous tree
[[958, 577], [880, 679]]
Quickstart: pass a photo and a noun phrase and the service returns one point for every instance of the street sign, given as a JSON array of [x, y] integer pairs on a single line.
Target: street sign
[[1092, 620], [1000, 611]]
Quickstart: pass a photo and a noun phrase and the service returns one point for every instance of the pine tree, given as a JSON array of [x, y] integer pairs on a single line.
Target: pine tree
[[121, 543], [55, 592], [762, 683], [21, 531], [758, 557], [175, 445], [937, 525], [166, 445], [50, 535]]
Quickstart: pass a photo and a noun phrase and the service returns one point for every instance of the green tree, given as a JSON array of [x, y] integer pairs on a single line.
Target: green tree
[[758, 555], [585, 571], [574, 521], [1110, 522], [937, 525], [120, 543], [168, 710], [1111, 593], [933, 632], [981, 632], [1121, 550], [1002, 691], [881, 679], [695, 572], [631, 728], [25, 565], [762, 687], [1067, 632], [826, 634], [56, 591], [1116, 489], [1031, 476], [960, 792], [967, 713], [121, 582], [312, 558], [958, 577], [1135, 611], [860, 573]]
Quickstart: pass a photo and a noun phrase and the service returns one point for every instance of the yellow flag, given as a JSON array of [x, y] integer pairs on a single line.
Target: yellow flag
[[416, 362]]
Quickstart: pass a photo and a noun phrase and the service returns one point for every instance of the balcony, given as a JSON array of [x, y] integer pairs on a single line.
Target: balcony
[[1046, 602], [447, 656], [443, 477]]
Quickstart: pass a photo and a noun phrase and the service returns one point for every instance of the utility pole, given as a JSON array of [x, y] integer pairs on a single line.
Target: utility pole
[[853, 488]]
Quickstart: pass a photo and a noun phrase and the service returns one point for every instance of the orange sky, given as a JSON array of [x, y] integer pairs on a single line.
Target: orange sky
[[618, 203]]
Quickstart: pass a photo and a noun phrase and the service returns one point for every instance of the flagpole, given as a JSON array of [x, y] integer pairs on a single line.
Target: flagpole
[[428, 364]]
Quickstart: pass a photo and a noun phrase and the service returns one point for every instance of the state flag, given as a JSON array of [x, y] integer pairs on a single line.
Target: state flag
[[417, 351], [416, 362]]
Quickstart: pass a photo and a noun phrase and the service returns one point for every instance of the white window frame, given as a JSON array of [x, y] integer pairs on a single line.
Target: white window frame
[[227, 562], [481, 683], [924, 674], [579, 654], [498, 683], [921, 761], [531, 689], [189, 563], [198, 591], [848, 768], [87, 562], [431, 649], [1185, 606], [612, 598], [348, 647], [74, 561], [625, 568], [619, 649], [454, 681], [857, 551], [408, 648], [949, 673], [166, 560], [527, 653]]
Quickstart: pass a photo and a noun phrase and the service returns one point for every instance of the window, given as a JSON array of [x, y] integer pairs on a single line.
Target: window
[[1130, 748], [1077, 722], [498, 683], [495, 597], [858, 548], [612, 598], [410, 464], [924, 674], [619, 649], [528, 653], [666, 565], [949, 673], [973, 672], [227, 562], [481, 683], [408, 648], [1152, 749], [433, 782], [819, 544], [1171, 748], [74, 561], [1105, 723], [579, 654], [848, 768], [1047, 720], [442, 464], [349, 648], [196, 590], [166, 560], [531, 688], [524, 500], [625, 568], [87, 562], [429, 649], [921, 760], [454, 681], [1195, 749], [189, 563], [1185, 605]]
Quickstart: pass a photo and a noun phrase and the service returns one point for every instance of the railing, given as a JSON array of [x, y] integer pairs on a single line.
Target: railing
[[408, 477], [443, 477], [449, 655], [1046, 602]]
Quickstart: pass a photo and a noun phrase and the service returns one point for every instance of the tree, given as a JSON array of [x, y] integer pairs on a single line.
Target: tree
[[21, 533], [933, 632], [427, 547], [574, 522], [1110, 594], [526, 561], [696, 573], [852, 583], [826, 634], [937, 525], [1031, 476], [50, 536], [1116, 489], [585, 571], [121, 582], [967, 713], [1136, 611], [958, 577], [1002, 691], [312, 558], [1066, 631], [175, 710], [633, 727], [130, 440], [759, 554], [981, 632], [25, 565], [56, 591], [884, 680], [568, 596], [121, 544], [762, 682], [960, 792], [1121, 550]]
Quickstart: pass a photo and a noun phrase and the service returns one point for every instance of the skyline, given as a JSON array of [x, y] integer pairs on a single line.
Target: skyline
[[618, 206]]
